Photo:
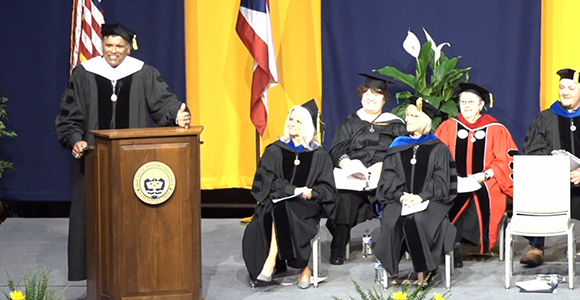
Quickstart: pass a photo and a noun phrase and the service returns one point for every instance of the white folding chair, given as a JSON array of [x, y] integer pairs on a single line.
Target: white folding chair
[[316, 257], [541, 205], [501, 241]]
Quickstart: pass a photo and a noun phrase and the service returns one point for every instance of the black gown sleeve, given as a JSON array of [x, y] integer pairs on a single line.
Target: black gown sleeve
[[392, 181], [536, 142], [323, 189], [342, 139], [268, 182], [70, 122], [163, 104]]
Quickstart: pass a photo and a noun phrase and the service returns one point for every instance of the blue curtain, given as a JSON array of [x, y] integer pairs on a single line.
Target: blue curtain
[[34, 69], [500, 40]]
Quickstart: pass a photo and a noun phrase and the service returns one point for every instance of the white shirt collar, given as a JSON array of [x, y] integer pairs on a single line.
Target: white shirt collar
[[99, 66]]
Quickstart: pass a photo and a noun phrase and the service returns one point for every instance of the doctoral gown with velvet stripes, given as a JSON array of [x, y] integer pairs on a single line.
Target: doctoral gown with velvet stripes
[[367, 142], [296, 220], [86, 105], [477, 147], [433, 177], [552, 130]]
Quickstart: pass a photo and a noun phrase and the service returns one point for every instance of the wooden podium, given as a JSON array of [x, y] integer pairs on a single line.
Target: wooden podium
[[135, 249]]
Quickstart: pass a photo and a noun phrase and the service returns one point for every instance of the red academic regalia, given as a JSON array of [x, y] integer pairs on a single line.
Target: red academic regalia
[[478, 147]]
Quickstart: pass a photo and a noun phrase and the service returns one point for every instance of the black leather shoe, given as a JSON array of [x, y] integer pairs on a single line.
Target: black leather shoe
[[457, 256], [260, 283], [337, 260]]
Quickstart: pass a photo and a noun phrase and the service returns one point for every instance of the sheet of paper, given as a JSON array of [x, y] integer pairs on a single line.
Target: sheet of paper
[[467, 184], [296, 196], [407, 210]]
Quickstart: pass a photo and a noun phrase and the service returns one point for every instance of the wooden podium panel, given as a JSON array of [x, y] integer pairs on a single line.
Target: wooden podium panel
[[134, 249]]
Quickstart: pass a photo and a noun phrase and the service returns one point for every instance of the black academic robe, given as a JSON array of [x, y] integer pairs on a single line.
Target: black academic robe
[[550, 131], [296, 220], [429, 233], [368, 143], [86, 105]]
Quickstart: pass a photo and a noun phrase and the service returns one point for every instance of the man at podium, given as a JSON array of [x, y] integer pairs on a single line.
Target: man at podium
[[556, 129], [112, 91]]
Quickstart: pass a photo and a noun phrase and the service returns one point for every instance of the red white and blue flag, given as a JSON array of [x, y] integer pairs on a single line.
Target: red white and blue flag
[[255, 30], [86, 36]]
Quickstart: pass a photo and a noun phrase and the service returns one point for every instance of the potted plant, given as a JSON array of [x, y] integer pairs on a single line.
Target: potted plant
[[407, 292], [436, 76], [4, 132], [36, 287]]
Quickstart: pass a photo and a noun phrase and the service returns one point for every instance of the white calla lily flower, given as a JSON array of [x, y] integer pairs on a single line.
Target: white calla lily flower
[[412, 44], [436, 49]]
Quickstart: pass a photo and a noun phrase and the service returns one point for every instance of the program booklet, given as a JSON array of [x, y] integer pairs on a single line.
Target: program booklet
[[574, 160], [537, 286], [407, 210], [345, 179], [295, 196]]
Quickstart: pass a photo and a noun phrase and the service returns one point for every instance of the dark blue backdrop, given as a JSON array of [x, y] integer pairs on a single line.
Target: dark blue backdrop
[[500, 40], [34, 69]]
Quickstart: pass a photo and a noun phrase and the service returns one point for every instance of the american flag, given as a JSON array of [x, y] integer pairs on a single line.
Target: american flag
[[255, 30], [86, 35]]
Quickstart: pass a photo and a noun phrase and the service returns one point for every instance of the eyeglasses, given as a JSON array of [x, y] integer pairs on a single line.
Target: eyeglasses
[[471, 102]]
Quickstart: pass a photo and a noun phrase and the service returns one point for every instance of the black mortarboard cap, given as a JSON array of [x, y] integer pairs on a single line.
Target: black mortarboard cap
[[484, 94], [424, 106], [569, 74], [319, 125], [120, 30], [375, 81]]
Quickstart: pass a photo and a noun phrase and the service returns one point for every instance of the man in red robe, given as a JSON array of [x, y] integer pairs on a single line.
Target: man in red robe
[[483, 149]]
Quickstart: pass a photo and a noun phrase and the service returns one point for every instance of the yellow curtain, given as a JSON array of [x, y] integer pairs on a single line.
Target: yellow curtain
[[559, 45], [219, 76]]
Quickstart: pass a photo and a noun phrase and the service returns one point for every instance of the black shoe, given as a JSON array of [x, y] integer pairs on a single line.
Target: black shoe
[[457, 256], [337, 260], [260, 283]]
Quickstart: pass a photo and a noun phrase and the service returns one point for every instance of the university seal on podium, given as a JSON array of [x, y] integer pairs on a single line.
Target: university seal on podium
[[154, 182]]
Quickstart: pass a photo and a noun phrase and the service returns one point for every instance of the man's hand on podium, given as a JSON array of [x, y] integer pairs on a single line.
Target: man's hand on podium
[[79, 149]]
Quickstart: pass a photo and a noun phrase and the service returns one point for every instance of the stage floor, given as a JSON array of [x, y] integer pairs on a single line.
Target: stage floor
[[27, 243]]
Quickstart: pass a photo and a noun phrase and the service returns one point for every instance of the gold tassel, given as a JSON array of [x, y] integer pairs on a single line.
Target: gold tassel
[[420, 104], [490, 100], [135, 46], [576, 76]]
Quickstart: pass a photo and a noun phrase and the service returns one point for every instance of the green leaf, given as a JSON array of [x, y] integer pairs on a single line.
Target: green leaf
[[403, 95], [423, 63], [450, 108], [433, 100], [399, 111], [400, 76]]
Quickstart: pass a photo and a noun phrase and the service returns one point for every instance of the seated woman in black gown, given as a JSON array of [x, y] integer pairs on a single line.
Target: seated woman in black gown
[[417, 168], [362, 138], [280, 233]]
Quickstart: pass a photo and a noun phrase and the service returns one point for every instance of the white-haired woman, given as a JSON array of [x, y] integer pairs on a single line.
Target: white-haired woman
[[280, 233], [417, 168]]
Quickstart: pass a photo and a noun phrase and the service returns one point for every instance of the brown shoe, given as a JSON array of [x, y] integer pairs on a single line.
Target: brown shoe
[[533, 258]]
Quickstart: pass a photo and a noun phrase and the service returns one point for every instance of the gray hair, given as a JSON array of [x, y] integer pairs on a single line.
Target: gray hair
[[308, 132]]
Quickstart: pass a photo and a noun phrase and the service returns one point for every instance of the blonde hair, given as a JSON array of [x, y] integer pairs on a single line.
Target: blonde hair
[[307, 133], [424, 121]]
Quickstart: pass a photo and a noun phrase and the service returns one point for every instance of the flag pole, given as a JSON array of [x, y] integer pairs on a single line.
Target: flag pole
[[258, 148]]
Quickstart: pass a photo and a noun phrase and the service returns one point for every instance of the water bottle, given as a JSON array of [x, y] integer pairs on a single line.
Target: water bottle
[[367, 244], [379, 274]]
